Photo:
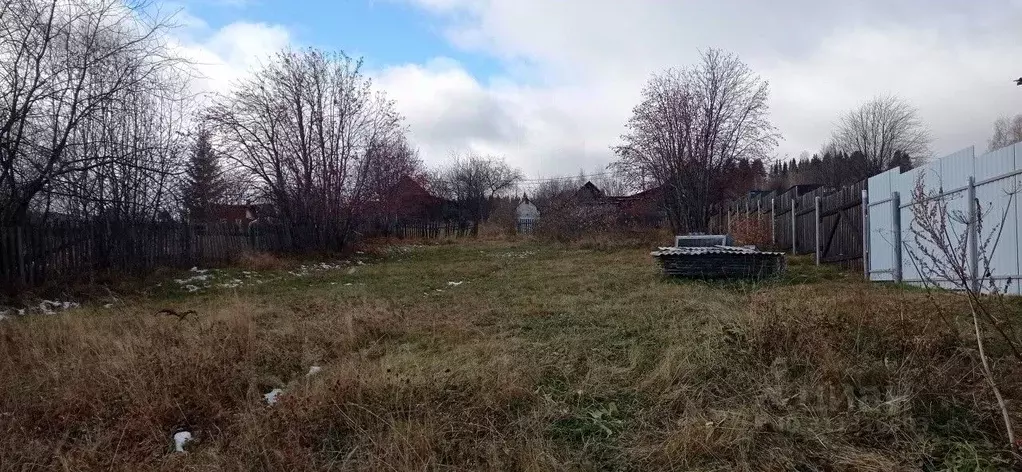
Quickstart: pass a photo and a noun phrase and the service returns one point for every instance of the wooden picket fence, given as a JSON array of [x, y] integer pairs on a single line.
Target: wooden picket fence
[[31, 255], [418, 230]]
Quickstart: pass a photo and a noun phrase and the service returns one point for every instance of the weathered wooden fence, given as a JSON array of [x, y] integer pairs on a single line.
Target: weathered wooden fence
[[422, 230], [803, 220], [33, 254]]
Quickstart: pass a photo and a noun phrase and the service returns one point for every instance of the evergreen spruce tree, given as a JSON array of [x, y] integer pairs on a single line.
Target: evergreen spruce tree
[[204, 180]]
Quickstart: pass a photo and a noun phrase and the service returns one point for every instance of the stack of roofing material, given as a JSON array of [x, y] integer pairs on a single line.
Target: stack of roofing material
[[719, 262]]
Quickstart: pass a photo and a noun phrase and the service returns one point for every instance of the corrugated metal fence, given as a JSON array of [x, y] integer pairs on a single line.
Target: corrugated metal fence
[[980, 195], [977, 195]]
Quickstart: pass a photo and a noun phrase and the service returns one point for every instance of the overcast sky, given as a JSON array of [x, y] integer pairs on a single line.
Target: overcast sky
[[550, 84]]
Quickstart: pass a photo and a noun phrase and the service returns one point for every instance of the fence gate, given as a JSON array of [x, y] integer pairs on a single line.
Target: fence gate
[[841, 224]]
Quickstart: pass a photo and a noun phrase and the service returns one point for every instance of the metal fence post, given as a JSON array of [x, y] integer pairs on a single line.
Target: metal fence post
[[865, 233], [794, 225], [816, 208], [973, 228], [896, 218]]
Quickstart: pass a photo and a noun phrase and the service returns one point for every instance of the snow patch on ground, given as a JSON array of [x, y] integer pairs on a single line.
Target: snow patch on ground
[[271, 396], [314, 370], [514, 255], [233, 283], [45, 307], [180, 438], [50, 307], [455, 284]]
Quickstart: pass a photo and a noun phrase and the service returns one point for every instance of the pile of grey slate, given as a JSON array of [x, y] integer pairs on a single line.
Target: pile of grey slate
[[718, 261]]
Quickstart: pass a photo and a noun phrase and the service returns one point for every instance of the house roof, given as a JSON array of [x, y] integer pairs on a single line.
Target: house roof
[[230, 212], [592, 189], [599, 195]]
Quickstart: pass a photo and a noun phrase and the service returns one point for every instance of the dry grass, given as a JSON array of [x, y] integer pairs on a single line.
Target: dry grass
[[544, 358], [262, 261]]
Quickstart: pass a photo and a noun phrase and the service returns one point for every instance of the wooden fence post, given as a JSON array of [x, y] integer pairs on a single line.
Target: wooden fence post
[[816, 208], [19, 247], [896, 218], [865, 233], [794, 227], [773, 222]]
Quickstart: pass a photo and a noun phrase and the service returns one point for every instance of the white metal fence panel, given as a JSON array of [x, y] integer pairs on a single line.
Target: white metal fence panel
[[955, 169], [996, 194], [997, 178], [905, 185], [881, 227]]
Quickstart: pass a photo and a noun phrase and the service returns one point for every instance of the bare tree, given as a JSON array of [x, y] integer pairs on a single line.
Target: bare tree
[[90, 99], [1007, 131], [691, 126], [611, 185], [882, 129], [473, 180], [551, 189], [309, 128], [395, 165]]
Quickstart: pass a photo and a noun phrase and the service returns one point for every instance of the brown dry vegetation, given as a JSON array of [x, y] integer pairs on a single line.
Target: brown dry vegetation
[[545, 358]]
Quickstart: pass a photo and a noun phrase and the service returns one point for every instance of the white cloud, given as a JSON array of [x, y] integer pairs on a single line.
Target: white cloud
[[586, 60], [221, 57], [541, 129]]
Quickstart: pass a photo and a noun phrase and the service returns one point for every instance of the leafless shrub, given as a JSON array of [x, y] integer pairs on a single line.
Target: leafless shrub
[[567, 219], [751, 230], [944, 237]]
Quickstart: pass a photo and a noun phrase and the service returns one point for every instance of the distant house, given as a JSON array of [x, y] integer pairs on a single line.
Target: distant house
[[526, 215], [240, 215], [405, 201], [410, 200], [645, 207]]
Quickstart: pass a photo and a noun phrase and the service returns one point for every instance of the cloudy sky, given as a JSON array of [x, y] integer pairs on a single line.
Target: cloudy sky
[[549, 84]]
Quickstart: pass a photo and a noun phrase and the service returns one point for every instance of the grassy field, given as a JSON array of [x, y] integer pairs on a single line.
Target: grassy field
[[506, 356]]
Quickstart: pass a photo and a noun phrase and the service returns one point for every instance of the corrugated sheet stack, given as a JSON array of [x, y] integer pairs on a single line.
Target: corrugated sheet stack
[[719, 261]]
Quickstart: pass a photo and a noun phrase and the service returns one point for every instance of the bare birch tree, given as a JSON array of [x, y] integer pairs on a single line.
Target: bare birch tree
[[691, 125], [881, 130]]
